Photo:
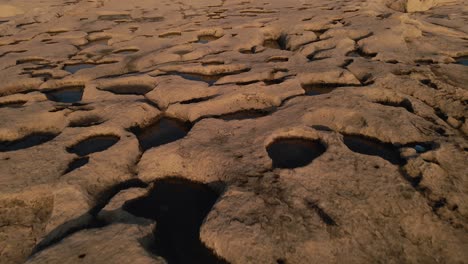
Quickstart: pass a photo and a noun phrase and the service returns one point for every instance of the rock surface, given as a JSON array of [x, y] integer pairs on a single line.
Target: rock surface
[[270, 131], [416, 5]]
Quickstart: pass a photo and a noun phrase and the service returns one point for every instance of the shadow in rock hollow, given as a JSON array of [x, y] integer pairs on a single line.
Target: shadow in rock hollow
[[289, 153], [163, 131], [179, 207]]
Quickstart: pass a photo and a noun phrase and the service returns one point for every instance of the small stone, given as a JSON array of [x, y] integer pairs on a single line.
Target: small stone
[[420, 149]]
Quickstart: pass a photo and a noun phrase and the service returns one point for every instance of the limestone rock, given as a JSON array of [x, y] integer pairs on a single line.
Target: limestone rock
[[119, 243], [233, 131], [415, 5]]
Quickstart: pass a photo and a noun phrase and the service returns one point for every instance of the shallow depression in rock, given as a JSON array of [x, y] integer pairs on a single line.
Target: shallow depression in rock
[[206, 38], [26, 142], [72, 68], [210, 80], [93, 144], [246, 114], [312, 90], [462, 61], [71, 94], [179, 207], [279, 43], [373, 147], [102, 41], [163, 131], [12, 104], [294, 152], [405, 103], [76, 164], [126, 51], [137, 89]]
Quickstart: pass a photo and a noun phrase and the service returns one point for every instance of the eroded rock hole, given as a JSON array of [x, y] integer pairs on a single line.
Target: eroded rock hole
[[30, 60], [322, 128], [209, 63], [179, 207], [136, 89], [210, 80], [294, 152], [429, 83], [360, 53], [55, 33], [203, 39], [198, 100], [318, 89], [314, 56], [183, 52], [44, 76], [272, 44], [12, 104], [70, 94], [252, 50], [126, 51], [441, 114], [72, 68], [101, 41], [424, 62], [319, 32], [247, 82], [282, 41], [274, 81], [26, 142], [246, 114], [114, 17], [278, 59], [149, 19], [462, 60], [373, 147], [76, 164], [93, 144], [170, 35], [405, 103], [163, 131]]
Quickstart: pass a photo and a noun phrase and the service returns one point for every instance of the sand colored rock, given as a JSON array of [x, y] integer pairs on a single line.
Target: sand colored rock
[[9, 11], [94, 246], [144, 132], [416, 5]]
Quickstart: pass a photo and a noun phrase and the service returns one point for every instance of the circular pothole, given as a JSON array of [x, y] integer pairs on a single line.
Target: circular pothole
[[292, 153], [163, 131], [70, 94]]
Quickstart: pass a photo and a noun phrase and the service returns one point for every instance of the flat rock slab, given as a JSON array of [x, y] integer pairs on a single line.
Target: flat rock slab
[[116, 243]]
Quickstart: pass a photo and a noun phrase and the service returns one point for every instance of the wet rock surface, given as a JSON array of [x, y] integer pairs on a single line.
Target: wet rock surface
[[66, 95], [233, 131]]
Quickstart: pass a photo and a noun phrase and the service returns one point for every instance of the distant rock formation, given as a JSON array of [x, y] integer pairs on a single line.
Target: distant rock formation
[[414, 5]]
